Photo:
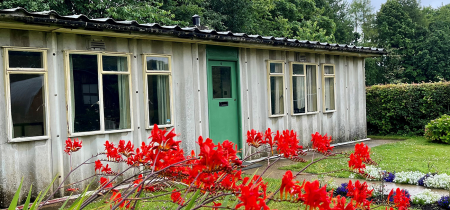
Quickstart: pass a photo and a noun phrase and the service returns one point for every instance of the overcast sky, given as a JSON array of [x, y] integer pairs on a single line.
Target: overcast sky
[[434, 3]]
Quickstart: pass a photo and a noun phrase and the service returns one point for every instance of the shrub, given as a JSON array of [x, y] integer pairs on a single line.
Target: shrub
[[405, 108], [408, 177], [425, 197], [444, 202], [439, 129], [438, 181]]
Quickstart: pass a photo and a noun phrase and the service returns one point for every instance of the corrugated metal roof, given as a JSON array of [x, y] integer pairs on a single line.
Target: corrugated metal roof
[[82, 21]]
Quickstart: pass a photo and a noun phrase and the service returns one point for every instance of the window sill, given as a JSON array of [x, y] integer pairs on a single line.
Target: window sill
[[308, 113], [25, 139], [278, 115], [98, 133], [330, 111], [161, 126]]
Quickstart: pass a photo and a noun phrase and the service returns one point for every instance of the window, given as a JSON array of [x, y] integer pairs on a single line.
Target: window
[[329, 95], [304, 88], [26, 79], [275, 71], [158, 72], [99, 92]]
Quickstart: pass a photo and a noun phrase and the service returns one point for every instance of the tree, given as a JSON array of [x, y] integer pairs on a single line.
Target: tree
[[361, 12]]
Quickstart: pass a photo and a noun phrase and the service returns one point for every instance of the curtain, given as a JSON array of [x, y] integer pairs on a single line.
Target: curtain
[[299, 94], [72, 93], [163, 95], [311, 88]]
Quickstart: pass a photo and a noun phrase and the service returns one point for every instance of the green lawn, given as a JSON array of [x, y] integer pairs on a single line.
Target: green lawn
[[413, 154]]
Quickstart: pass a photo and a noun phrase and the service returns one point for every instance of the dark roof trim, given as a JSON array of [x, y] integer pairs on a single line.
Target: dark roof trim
[[99, 24]]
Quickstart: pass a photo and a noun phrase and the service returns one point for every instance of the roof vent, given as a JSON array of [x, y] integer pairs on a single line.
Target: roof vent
[[97, 44], [196, 20]]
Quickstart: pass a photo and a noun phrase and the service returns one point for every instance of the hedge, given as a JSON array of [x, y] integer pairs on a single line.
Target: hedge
[[405, 109]]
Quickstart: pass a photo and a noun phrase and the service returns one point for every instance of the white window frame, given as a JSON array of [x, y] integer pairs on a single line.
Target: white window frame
[[269, 75], [291, 64], [42, 71], [157, 72], [323, 87], [100, 72]]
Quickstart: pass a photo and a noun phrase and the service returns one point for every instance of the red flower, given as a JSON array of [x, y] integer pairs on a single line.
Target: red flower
[[98, 165], [288, 143], [251, 196], [106, 169], [339, 204], [176, 197], [359, 193], [360, 156], [117, 197], [163, 141], [72, 146], [222, 158], [216, 204], [268, 138], [72, 189], [287, 184], [321, 143], [104, 181], [125, 150], [401, 200], [315, 196], [112, 152], [255, 138]]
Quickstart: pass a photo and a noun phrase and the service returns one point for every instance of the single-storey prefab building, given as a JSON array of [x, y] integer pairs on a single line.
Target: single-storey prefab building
[[101, 79]]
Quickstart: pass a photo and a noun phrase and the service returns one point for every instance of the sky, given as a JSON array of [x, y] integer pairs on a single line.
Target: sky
[[433, 3]]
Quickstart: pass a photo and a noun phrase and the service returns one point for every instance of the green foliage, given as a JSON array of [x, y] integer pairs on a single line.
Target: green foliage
[[405, 109], [439, 129]]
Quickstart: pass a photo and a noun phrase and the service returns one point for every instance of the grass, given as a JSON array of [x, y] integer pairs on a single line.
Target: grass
[[388, 137], [413, 154]]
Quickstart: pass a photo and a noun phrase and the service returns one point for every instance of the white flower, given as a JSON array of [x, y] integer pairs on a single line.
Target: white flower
[[425, 197], [438, 181], [408, 177]]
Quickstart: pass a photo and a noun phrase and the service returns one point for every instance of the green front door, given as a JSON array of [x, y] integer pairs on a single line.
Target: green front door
[[223, 101]]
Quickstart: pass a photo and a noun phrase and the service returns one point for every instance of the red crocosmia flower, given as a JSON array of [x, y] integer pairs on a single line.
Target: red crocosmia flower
[[360, 156], [315, 196], [222, 158], [98, 165], [268, 136], [163, 141], [287, 184], [72, 189], [138, 180], [255, 138], [104, 181], [288, 144], [72, 146], [253, 195], [176, 197], [125, 150], [216, 205], [106, 169], [117, 197], [321, 143], [401, 200], [111, 152], [359, 193], [339, 204]]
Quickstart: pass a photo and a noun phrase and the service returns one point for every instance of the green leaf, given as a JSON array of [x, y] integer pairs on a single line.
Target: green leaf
[[15, 199], [27, 202], [65, 202], [33, 207], [193, 199]]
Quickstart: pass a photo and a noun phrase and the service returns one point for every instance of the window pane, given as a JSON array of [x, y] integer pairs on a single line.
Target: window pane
[[159, 99], [158, 63], [329, 70], [84, 93], [221, 77], [116, 102], [297, 69], [27, 105], [311, 88], [298, 86], [276, 95], [24, 59], [276, 68], [114, 63], [329, 93]]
